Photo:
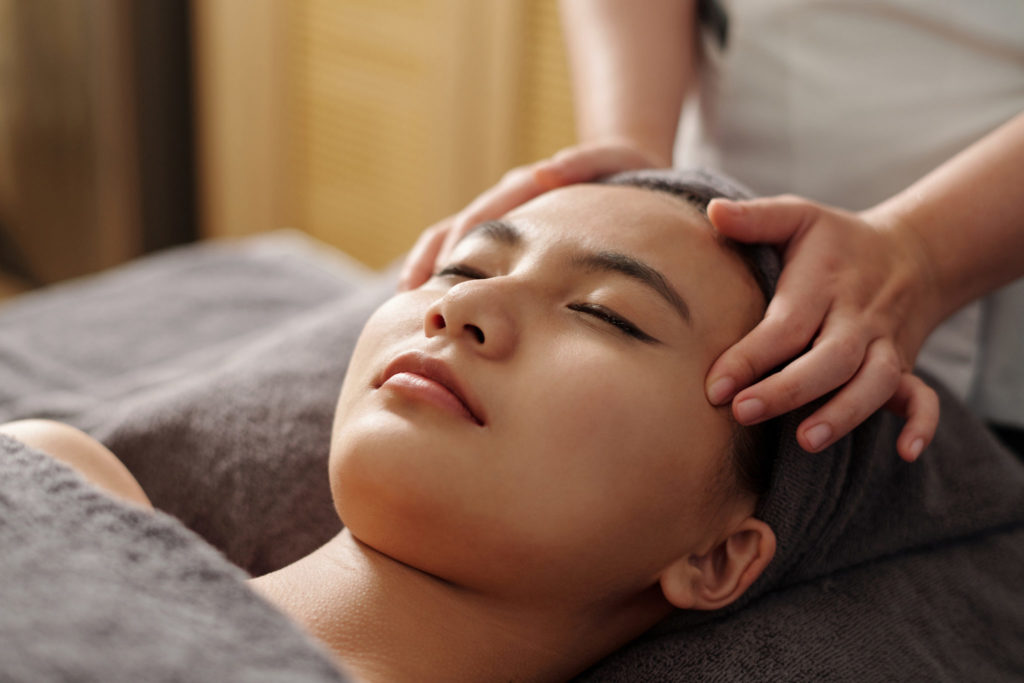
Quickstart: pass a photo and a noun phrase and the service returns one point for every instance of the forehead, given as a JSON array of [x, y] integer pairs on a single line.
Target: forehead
[[666, 232]]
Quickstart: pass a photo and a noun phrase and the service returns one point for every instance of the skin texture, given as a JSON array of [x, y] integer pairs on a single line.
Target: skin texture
[[591, 499]]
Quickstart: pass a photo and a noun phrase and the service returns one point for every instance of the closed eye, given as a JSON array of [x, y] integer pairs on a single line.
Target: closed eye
[[602, 313], [460, 270], [615, 320]]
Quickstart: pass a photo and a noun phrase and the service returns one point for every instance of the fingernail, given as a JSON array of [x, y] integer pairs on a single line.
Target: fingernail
[[749, 410], [916, 446], [721, 390], [730, 206], [818, 434]]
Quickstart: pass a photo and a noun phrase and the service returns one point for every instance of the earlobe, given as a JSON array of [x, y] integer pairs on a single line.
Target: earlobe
[[680, 582], [718, 577]]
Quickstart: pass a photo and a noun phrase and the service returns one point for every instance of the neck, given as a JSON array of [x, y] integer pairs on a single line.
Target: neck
[[386, 621]]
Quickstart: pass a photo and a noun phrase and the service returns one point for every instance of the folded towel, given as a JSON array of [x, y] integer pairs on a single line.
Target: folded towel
[[95, 590]]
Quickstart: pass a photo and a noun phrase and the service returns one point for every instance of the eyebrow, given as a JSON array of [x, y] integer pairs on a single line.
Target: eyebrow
[[507, 233], [616, 262], [498, 230]]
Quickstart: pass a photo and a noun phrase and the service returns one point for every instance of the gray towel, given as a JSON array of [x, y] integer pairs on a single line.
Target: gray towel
[[212, 372], [93, 590]]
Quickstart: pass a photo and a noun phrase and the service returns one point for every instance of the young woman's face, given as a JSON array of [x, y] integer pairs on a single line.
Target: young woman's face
[[578, 332]]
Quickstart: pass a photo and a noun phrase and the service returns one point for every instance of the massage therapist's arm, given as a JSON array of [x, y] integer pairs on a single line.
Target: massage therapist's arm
[[868, 288], [631, 64], [82, 453]]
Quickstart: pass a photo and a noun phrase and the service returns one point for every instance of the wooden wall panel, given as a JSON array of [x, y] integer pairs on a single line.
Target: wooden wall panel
[[241, 108], [546, 116], [68, 200], [374, 118]]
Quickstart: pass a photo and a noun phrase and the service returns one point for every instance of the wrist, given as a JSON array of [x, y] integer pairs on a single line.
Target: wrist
[[658, 154], [917, 279]]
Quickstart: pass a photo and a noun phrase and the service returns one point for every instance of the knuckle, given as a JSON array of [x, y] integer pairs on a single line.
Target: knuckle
[[787, 317], [747, 363], [889, 368], [438, 229], [515, 175], [832, 264], [567, 154], [741, 366], [795, 200], [782, 317], [848, 349], [849, 414], [791, 395]]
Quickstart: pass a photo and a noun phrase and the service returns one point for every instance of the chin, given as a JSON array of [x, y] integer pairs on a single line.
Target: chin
[[387, 488]]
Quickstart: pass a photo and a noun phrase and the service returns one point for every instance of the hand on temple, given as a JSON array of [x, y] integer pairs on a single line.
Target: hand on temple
[[850, 314], [577, 164]]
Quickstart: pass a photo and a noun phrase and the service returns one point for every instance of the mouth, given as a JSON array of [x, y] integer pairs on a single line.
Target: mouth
[[439, 378]]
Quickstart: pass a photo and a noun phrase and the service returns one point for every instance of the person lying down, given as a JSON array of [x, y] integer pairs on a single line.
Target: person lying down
[[562, 352], [530, 475]]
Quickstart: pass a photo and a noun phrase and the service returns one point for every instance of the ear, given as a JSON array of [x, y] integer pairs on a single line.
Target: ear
[[718, 577]]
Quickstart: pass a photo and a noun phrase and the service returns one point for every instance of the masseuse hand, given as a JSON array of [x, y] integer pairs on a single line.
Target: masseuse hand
[[851, 308], [577, 164]]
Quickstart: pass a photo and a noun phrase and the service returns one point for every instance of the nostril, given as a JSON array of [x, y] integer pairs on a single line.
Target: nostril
[[439, 322], [476, 332]]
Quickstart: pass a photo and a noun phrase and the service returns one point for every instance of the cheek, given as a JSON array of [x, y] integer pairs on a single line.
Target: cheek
[[617, 459], [617, 409], [398, 320], [359, 430]]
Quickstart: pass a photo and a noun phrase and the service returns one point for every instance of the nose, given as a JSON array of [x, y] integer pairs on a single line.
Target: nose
[[477, 313]]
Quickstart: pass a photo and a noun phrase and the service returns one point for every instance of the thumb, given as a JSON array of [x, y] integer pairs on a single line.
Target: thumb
[[774, 220]]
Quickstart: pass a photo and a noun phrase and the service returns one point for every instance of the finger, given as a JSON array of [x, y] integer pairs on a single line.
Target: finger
[[789, 324], [830, 364], [581, 164], [919, 404], [419, 264], [518, 186], [873, 385], [521, 184], [772, 219], [568, 166]]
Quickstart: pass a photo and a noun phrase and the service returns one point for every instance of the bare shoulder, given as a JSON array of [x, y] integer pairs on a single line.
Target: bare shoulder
[[75, 448]]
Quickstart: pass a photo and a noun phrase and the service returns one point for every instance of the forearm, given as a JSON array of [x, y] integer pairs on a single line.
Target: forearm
[[631, 65], [968, 218]]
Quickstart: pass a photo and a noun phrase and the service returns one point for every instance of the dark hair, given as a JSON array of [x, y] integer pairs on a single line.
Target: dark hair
[[751, 458]]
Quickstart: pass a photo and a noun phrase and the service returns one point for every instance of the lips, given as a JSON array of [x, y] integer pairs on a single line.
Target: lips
[[436, 370]]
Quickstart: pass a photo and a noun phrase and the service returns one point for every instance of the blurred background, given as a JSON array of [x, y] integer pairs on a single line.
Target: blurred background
[[128, 126]]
